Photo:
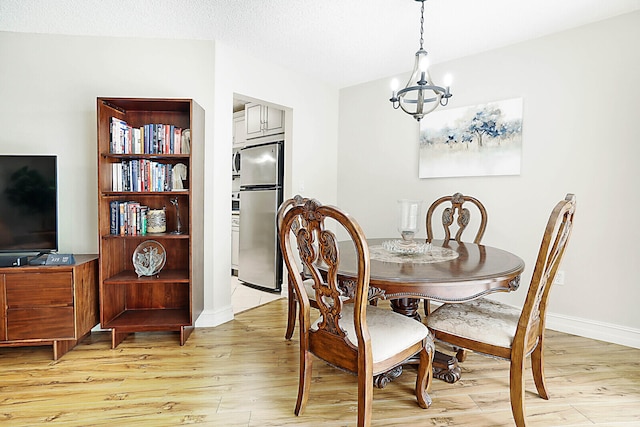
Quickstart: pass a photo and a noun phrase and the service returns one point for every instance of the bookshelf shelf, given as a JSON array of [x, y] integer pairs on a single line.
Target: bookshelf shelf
[[165, 276], [167, 236], [174, 298], [149, 319], [144, 156], [145, 193]]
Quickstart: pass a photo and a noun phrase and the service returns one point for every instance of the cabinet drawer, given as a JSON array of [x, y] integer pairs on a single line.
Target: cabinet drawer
[[40, 323], [39, 289]]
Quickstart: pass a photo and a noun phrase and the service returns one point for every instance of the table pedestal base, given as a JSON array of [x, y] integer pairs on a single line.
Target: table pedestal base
[[445, 367], [382, 380]]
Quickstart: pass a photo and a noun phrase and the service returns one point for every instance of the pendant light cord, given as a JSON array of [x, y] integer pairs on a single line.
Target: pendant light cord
[[422, 25]]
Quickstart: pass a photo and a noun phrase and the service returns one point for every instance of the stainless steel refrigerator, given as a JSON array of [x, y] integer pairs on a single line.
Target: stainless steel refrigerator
[[260, 259]]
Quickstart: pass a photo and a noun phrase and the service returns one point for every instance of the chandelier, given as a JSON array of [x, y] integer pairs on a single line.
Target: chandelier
[[420, 96]]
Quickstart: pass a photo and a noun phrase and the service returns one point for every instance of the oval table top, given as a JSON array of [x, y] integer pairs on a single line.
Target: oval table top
[[476, 271]]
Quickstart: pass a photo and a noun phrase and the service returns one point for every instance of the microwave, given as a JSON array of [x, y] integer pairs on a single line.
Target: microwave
[[235, 162]]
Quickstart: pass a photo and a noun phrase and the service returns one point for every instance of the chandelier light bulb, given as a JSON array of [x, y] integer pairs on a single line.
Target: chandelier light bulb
[[424, 63], [395, 84]]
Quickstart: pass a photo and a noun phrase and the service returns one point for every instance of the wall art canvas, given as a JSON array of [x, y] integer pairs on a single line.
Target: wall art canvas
[[480, 140]]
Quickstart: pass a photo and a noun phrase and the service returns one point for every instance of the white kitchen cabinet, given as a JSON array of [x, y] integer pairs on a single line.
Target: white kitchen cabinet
[[239, 129], [262, 120], [235, 241]]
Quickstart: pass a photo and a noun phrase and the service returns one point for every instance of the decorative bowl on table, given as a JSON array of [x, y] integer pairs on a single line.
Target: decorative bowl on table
[[403, 248]]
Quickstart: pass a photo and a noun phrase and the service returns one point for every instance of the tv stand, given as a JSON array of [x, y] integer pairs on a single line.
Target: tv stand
[[49, 305]]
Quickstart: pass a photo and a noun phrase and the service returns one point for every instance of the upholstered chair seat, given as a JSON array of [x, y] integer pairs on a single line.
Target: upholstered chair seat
[[390, 332], [483, 320]]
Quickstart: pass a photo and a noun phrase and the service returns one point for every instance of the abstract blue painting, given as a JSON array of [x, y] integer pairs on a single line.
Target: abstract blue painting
[[480, 140]]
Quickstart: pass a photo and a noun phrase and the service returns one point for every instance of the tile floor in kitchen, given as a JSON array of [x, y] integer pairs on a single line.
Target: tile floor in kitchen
[[245, 297]]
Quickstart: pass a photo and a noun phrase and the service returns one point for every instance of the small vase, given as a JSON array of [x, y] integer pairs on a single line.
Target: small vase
[[156, 221]]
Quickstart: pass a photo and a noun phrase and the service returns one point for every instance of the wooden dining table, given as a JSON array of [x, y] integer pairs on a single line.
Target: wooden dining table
[[451, 272]]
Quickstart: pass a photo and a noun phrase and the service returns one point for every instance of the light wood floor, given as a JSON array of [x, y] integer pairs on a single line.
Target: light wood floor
[[244, 373]]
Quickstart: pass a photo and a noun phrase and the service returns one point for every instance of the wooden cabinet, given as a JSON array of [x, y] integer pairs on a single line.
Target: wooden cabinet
[[49, 305], [262, 120], [239, 130], [172, 299]]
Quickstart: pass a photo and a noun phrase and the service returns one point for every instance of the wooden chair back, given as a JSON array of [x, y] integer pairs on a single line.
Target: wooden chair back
[[317, 244], [292, 299], [554, 242], [461, 214]]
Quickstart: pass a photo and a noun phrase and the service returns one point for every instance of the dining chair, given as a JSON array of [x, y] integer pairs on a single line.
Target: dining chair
[[506, 332], [453, 209], [461, 214], [356, 337], [292, 299]]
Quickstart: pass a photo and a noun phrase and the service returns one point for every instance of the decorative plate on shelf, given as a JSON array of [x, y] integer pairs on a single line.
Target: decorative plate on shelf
[[149, 258]]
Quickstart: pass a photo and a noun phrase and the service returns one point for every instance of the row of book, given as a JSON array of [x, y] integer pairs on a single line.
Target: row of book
[[128, 218], [142, 175], [153, 138]]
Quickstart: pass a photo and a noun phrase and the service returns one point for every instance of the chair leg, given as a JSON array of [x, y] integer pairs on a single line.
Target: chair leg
[[365, 397], [423, 380], [304, 382], [291, 315], [516, 388], [537, 368]]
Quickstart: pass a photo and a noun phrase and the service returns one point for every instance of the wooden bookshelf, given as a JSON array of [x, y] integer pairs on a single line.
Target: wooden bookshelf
[[172, 299]]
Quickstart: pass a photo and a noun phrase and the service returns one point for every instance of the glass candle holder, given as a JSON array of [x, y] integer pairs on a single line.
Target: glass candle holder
[[408, 216]]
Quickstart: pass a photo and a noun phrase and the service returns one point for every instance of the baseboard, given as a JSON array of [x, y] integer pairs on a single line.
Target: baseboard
[[601, 331], [211, 318]]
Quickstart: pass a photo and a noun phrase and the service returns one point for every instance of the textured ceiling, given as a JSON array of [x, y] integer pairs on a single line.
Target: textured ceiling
[[342, 42]]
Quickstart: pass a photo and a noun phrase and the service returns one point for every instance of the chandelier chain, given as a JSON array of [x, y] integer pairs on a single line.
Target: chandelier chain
[[422, 25]]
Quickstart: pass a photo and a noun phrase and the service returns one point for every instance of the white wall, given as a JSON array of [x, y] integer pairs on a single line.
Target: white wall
[[310, 155], [48, 94], [48, 90], [581, 92]]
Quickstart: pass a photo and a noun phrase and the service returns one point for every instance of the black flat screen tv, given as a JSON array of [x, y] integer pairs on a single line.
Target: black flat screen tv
[[28, 204]]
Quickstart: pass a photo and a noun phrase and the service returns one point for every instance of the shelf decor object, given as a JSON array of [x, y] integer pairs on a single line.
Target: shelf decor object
[[420, 96], [149, 258], [178, 230], [150, 284], [156, 221]]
